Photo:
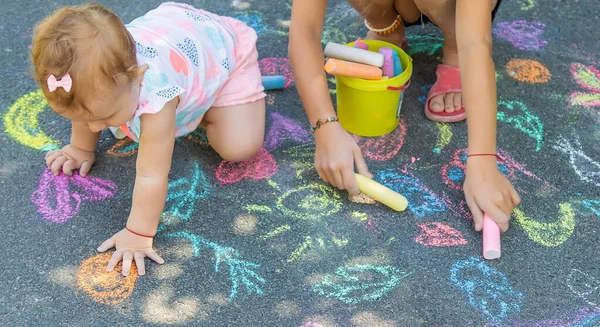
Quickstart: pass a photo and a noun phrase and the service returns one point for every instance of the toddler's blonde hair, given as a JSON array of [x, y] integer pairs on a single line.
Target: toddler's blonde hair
[[92, 45]]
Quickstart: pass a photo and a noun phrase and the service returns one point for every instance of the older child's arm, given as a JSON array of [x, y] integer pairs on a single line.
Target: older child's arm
[[149, 194], [80, 154], [486, 189], [336, 152]]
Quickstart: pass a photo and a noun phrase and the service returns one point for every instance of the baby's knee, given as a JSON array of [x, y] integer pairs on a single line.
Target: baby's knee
[[241, 149]]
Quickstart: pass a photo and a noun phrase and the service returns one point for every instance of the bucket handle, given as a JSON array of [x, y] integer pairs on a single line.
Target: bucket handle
[[399, 88]]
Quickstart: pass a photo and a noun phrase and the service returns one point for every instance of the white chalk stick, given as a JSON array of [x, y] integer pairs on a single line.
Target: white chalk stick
[[338, 51]]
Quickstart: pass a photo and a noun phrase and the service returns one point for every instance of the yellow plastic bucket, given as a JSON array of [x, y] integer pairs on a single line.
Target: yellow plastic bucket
[[372, 107]]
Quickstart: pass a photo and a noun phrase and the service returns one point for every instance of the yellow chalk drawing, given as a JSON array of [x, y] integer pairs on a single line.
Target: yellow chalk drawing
[[549, 234], [21, 122], [258, 208], [298, 252], [276, 231], [339, 241], [310, 202], [443, 138], [360, 215], [527, 4], [273, 184]]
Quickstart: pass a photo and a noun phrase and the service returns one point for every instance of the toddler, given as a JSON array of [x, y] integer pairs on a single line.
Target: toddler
[[155, 79]]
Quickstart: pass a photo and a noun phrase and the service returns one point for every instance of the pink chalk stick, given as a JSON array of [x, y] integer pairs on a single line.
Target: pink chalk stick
[[491, 239], [388, 61], [361, 45]]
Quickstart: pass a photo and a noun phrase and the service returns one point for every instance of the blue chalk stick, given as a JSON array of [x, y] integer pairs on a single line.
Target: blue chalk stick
[[397, 64], [273, 82]]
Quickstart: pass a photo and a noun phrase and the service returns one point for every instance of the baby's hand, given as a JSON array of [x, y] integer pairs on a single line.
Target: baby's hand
[[130, 246], [70, 158], [487, 190]]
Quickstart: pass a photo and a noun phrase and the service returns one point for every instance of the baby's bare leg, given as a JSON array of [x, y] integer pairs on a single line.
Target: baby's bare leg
[[236, 132], [443, 14]]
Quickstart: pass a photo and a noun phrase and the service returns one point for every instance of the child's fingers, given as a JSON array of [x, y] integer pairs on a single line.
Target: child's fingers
[[69, 166], [499, 216], [350, 182], [514, 196], [477, 213], [139, 262], [85, 168], [127, 259], [150, 253], [360, 164], [114, 260], [51, 156], [108, 244], [57, 164]]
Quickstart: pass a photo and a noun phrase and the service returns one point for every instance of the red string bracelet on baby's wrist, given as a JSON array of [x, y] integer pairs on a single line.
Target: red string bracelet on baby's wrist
[[486, 155], [138, 234]]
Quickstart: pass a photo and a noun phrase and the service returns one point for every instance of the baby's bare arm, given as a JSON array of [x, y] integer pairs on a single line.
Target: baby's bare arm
[[83, 138], [153, 165]]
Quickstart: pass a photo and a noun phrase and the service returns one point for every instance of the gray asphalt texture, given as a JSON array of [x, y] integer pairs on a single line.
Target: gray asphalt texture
[[315, 258]]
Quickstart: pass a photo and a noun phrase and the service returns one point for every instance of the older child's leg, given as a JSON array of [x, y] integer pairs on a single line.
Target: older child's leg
[[382, 13], [236, 132], [443, 13]]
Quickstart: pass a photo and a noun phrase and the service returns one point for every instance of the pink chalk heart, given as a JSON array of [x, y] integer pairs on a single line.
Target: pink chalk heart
[[439, 234], [261, 166], [58, 198]]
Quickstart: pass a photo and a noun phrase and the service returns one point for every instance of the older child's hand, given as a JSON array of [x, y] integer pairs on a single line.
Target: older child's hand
[[487, 190], [70, 158], [129, 247], [336, 156]]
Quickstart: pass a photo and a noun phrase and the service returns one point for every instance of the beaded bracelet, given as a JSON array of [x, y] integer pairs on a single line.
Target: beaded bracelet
[[386, 30], [322, 122]]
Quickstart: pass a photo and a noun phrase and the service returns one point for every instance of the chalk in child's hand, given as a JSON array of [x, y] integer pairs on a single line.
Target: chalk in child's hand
[[388, 61], [361, 45], [345, 68], [338, 51], [491, 238], [381, 193], [397, 64], [273, 82]]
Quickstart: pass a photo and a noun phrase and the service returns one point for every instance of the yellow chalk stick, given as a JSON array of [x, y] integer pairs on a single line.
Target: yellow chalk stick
[[381, 193]]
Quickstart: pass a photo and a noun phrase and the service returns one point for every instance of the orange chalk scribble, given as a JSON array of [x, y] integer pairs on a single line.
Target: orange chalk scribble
[[528, 71], [104, 286]]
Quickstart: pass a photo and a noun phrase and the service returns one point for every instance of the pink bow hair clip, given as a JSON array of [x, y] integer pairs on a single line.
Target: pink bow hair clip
[[65, 82]]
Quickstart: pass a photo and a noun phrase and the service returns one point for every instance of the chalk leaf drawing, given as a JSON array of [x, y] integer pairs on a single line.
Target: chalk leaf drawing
[[107, 287], [385, 147], [310, 202], [283, 128], [421, 201], [585, 167], [183, 195], [21, 122], [58, 198], [522, 34], [439, 235], [584, 317], [584, 286], [549, 234], [360, 283], [588, 78], [516, 114], [241, 272], [488, 290], [261, 166]]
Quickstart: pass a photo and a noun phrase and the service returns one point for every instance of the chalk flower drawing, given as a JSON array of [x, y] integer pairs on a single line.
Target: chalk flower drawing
[[58, 198], [360, 283], [488, 290], [549, 234], [588, 78], [522, 34], [584, 286], [584, 166], [310, 202], [241, 272]]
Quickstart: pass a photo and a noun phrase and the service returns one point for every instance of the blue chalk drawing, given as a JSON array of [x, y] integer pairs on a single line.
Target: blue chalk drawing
[[240, 271], [425, 44], [593, 205], [425, 91], [254, 21], [360, 283], [488, 290], [421, 201], [182, 196]]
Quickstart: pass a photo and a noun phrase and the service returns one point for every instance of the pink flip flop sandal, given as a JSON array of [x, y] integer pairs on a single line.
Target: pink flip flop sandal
[[448, 81]]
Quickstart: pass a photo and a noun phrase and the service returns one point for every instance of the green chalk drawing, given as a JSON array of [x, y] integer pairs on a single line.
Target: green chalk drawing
[[516, 114]]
